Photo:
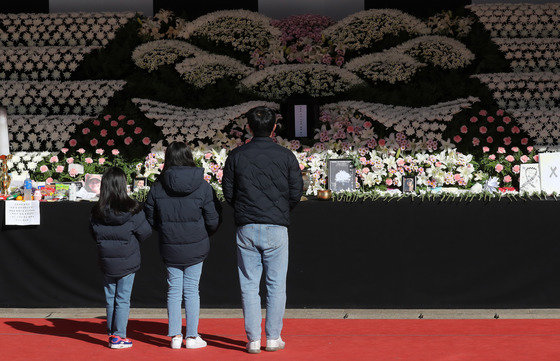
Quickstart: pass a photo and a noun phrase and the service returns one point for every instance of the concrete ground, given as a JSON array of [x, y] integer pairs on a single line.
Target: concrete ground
[[156, 313]]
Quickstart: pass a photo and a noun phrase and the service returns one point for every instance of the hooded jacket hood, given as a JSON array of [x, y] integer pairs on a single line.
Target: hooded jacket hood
[[182, 180]]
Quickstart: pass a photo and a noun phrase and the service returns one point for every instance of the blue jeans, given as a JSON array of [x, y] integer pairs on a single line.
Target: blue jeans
[[258, 245], [117, 297], [183, 282]]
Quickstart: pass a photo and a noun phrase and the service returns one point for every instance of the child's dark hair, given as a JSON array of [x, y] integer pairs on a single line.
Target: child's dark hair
[[178, 154], [261, 121], [113, 195]]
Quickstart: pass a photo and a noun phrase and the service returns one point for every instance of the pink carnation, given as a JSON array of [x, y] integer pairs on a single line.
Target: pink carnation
[[54, 159], [388, 181], [490, 119], [500, 112], [367, 124], [114, 123], [73, 172], [464, 129], [88, 160], [121, 117], [492, 157], [70, 160], [499, 168], [93, 142], [489, 140], [73, 142], [96, 122], [49, 180], [507, 120], [64, 150], [115, 152], [130, 122], [483, 112], [137, 130], [59, 169], [110, 142], [101, 160], [524, 159], [500, 129], [363, 160], [475, 141], [536, 158], [81, 150], [127, 140], [99, 151], [501, 150], [207, 156], [483, 130], [85, 130], [510, 158], [107, 117], [43, 168], [457, 138], [120, 132], [507, 140], [507, 179], [524, 141], [485, 149], [381, 142], [515, 149], [103, 132], [515, 130], [474, 119], [530, 148], [146, 140], [516, 168]]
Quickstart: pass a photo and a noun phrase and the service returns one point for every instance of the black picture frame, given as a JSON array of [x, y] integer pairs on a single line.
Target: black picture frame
[[408, 184], [288, 110], [341, 175]]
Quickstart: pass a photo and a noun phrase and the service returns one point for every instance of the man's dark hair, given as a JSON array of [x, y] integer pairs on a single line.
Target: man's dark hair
[[261, 121]]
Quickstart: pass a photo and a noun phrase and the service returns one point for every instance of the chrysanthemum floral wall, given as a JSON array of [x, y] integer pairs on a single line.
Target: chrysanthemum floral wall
[[454, 99]]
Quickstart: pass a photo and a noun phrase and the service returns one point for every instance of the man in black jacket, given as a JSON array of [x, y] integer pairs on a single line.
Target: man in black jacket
[[262, 181]]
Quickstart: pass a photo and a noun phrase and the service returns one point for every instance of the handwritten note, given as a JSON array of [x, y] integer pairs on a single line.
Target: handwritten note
[[20, 213]]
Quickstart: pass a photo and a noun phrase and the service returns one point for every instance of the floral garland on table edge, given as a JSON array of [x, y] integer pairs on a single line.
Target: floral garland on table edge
[[315, 80], [61, 29], [531, 54], [154, 54], [41, 63], [377, 23], [523, 90], [519, 20], [204, 70], [86, 97]]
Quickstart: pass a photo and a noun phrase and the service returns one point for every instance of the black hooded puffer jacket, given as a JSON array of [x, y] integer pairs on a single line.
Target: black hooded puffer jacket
[[117, 236], [180, 206]]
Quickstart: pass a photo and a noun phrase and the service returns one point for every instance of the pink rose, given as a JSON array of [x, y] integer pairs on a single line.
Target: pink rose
[[115, 152], [483, 112], [500, 112], [464, 129], [120, 132], [103, 132], [121, 117], [524, 141], [515, 130], [43, 168], [524, 159], [70, 160], [114, 123], [130, 122], [101, 160], [49, 180], [485, 149], [507, 140], [474, 119], [499, 168], [381, 142], [489, 140], [54, 159], [507, 179], [88, 160], [501, 150], [99, 151], [367, 124], [492, 157], [457, 138], [96, 122], [107, 117], [510, 158], [388, 181], [207, 156], [73, 172], [59, 169], [475, 141], [507, 120], [137, 130], [500, 129], [72, 142], [516, 168], [85, 130], [81, 150], [127, 140], [483, 130], [490, 119], [64, 150], [110, 142], [146, 140], [93, 142]]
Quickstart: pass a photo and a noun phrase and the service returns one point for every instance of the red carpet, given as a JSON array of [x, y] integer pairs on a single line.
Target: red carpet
[[63, 339]]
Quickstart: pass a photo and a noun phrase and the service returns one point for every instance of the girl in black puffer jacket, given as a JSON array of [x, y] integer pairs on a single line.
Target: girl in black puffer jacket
[[118, 224], [180, 206]]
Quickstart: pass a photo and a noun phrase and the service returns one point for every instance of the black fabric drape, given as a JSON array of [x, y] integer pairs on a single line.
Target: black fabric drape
[[405, 254]]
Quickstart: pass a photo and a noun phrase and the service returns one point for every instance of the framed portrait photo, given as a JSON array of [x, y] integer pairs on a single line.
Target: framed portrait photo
[[408, 184], [92, 183], [139, 183], [341, 175]]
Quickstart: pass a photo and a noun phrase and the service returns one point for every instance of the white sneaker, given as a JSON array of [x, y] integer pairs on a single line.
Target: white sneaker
[[275, 345], [195, 342], [254, 346], [177, 342]]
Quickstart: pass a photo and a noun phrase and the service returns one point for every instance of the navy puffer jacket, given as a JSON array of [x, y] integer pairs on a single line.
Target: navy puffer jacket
[[180, 206], [117, 236]]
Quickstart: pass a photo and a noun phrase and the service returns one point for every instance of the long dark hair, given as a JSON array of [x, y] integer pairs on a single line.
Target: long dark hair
[[113, 195], [178, 154]]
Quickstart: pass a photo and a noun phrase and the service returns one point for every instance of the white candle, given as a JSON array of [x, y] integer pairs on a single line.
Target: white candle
[[4, 138]]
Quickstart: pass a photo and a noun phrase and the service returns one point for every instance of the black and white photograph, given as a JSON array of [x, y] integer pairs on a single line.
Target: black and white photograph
[[341, 175]]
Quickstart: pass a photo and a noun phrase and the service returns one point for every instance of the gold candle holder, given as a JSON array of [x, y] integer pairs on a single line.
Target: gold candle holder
[[5, 178]]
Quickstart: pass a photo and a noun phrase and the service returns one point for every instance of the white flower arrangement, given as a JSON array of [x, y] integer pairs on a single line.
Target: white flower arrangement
[[439, 51], [153, 54], [523, 90], [244, 30], [363, 29], [519, 20], [204, 70], [316, 80], [39, 132], [25, 163], [190, 125], [531, 54], [87, 97], [386, 66], [60, 29], [542, 125], [151, 27], [422, 123], [41, 63]]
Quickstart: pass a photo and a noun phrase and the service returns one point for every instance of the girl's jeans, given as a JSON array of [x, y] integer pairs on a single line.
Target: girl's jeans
[[183, 283], [117, 297]]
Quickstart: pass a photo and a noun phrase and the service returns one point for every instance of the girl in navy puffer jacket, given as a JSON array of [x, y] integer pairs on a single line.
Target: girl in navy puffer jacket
[[180, 206], [118, 224]]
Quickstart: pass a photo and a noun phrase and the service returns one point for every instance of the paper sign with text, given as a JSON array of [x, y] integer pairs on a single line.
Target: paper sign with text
[[20, 213]]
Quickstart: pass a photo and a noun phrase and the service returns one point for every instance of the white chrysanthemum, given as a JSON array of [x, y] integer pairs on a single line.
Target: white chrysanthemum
[[204, 70], [154, 54], [387, 66]]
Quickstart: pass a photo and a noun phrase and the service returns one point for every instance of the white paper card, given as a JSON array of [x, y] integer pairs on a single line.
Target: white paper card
[[79, 169], [20, 213], [550, 172], [300, 119], [529, 178]]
